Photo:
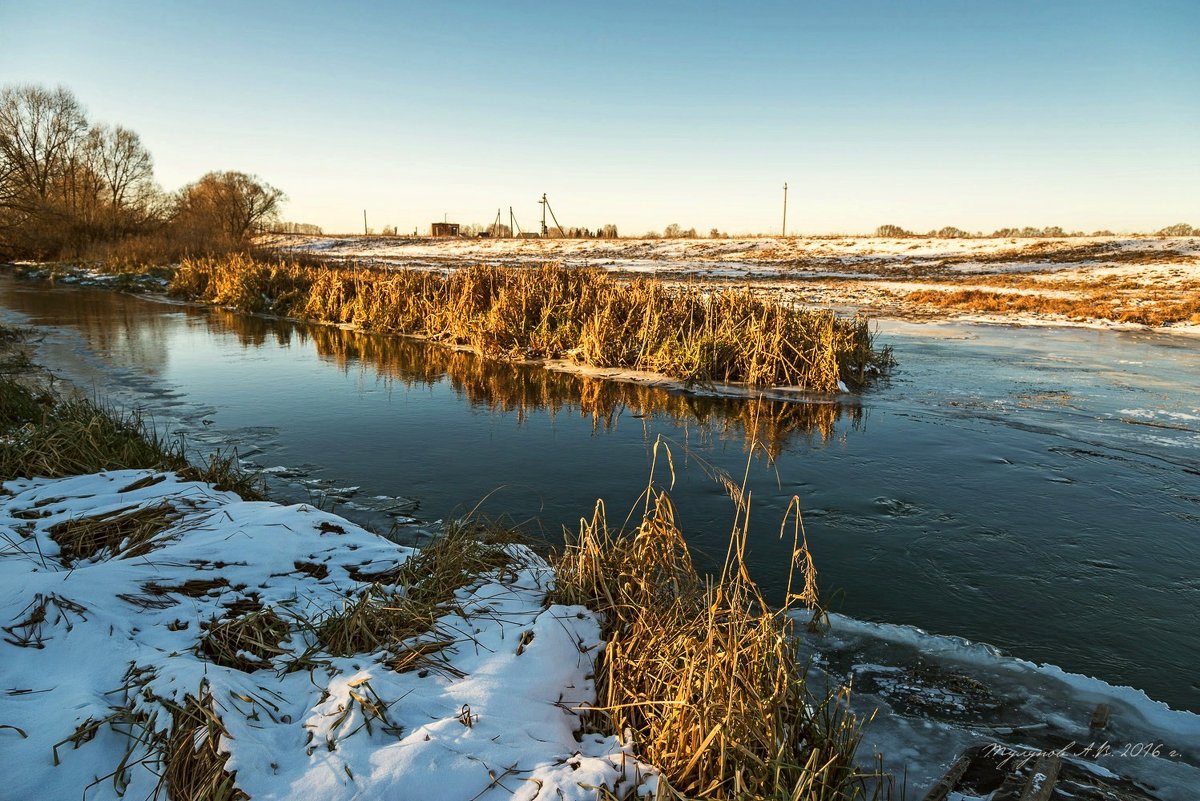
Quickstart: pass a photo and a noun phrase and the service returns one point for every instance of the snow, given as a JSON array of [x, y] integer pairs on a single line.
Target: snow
[[821, 255], [496, 721], [499, 718]]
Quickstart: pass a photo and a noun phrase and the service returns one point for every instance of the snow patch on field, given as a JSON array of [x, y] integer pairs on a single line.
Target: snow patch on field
[[739, 257]]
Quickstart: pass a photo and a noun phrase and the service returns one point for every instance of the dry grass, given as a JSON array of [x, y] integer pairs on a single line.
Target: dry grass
[[554, 312], [704, 674], [1147, 307], [193, 763], [118, 535], [247, 642], [404, 602], [43, 612]]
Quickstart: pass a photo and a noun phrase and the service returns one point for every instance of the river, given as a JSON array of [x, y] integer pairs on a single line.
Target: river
[[1033, 488]]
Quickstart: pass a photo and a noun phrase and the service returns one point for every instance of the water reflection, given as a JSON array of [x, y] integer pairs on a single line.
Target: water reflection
[[519, 390], [110, 323]]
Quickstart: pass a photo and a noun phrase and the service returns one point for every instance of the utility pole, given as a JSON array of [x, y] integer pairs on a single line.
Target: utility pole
[[512, 229], [546, 205], [364, 222], [784, 235]]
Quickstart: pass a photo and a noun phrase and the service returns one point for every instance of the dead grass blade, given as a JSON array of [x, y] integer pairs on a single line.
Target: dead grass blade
[[193, 764]]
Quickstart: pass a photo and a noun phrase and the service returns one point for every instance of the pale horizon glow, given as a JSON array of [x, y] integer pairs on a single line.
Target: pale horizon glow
[[1083, 115]]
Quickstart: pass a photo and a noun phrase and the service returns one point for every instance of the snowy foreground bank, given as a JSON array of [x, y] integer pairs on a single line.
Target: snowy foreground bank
[[102, 657], [100, 652]]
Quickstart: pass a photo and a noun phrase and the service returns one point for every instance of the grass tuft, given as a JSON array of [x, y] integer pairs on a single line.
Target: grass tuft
[[117, 535], [703, 674], [405, 601], [51, 436], [193, 763], [248, 642]]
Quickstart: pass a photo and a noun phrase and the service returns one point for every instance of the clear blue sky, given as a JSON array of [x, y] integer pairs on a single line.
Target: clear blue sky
[[922, 114]]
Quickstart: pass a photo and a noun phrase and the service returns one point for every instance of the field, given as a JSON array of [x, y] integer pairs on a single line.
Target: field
[[1118, 280]]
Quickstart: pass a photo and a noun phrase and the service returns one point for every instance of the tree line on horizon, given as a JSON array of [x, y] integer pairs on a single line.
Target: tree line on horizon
[[71, 188], [1028, 232]]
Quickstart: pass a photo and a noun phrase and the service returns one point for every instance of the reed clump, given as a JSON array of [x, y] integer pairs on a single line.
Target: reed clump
[[524, 390], [688, 332], [704, 675]]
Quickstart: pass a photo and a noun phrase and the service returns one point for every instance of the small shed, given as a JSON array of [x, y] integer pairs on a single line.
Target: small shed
[[444, 229]]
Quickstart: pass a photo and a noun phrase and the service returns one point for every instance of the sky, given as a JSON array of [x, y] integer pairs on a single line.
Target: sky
[[977, 114]]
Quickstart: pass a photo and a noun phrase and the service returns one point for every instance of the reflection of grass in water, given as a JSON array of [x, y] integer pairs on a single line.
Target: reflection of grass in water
[[691, 332], [516, 390]]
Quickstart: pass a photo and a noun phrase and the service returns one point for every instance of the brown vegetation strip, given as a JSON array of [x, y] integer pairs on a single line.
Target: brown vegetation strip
[[1101, 304], [554, 312]]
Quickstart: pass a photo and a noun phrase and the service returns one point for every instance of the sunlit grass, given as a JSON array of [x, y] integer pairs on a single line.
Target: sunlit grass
[[703, 674]]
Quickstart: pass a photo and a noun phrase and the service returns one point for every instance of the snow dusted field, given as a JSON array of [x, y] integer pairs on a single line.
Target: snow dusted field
[[98, 652], [849, 273]]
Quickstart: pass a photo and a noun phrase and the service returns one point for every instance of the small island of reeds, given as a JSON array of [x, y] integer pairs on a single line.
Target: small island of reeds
[[689, 332]]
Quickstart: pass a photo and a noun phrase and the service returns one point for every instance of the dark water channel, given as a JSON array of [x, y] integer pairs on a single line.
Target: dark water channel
[[1036, 489]]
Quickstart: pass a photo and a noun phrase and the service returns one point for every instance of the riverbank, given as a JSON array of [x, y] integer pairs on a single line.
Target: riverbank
[[262, 651]]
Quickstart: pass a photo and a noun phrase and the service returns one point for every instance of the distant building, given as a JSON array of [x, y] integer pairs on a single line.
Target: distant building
[[444, 229]]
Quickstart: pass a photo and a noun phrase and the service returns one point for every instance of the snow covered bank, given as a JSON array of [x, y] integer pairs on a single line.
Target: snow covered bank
[[102, 652]]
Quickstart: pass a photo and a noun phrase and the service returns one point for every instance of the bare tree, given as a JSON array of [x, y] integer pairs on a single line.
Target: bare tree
[[229, 204], [126, 167], [38, 128], [41, 132]]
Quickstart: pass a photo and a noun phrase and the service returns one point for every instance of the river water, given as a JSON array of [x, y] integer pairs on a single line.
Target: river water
[[1036, 489]]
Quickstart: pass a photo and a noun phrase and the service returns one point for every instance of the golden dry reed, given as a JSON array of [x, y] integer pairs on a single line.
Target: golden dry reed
[[703, 675], [688, 332]]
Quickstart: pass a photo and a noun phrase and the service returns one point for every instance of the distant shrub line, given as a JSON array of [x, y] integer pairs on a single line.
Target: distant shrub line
[[552, 312], [1049, 232]]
